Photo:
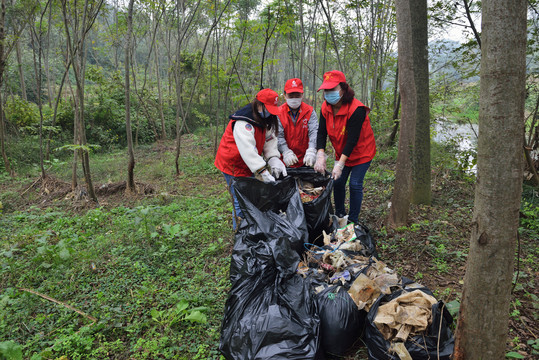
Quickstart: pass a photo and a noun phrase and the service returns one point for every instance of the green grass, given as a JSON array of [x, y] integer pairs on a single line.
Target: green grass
[[133, 269]]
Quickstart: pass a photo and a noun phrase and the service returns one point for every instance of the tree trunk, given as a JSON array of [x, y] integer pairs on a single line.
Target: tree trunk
[[159, 94], [421, 193], [20, 70], [37, 35], [402, 192], [130, 186], [482, 328], [396, 107], [335, 45], [76, 38], [2, 69]]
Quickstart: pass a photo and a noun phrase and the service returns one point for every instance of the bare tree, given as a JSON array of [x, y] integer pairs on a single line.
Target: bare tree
[[76, 27], [484, 313], [130, 186], [37, 36], [6, 46], [3, 57]]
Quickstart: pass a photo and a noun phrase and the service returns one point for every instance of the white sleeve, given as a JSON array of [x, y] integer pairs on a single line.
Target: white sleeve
[[313, 129], [281, 141], [244, 136], [270, 146]]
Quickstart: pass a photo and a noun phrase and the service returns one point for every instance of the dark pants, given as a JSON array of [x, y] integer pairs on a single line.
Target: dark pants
[[356, 174], [237, 209]]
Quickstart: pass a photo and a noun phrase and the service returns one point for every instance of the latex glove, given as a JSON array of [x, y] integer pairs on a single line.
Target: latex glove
[[267, 177], [337, 170], [289, 158], [277, 167], [310, 157], [320, 165]]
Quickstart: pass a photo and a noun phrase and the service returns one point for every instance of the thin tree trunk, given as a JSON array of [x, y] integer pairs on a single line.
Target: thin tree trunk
[[335, 46], [2, 69], [130, 186], [472, 25], [38, 72], [531, 165], [159, 94], [483, 321], [21, 72]]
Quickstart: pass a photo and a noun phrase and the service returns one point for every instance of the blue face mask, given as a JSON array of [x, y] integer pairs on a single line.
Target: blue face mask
[[264, 114], [332, 97]]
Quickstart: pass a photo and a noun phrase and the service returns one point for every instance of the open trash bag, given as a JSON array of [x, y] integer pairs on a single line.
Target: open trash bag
[[273, 209], [317, 208], [270, 312], [409, 324]]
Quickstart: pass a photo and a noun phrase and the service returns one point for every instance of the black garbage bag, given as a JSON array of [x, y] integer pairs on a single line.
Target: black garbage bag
[[317, 211], [436, 343], [270, 312], [273, 210], [341, 323]]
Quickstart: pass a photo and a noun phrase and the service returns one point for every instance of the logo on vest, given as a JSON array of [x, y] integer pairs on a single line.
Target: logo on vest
[[248, 127]]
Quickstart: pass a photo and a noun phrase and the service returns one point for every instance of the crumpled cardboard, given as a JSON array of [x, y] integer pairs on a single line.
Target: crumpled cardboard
[[406, 315], [368, 287]]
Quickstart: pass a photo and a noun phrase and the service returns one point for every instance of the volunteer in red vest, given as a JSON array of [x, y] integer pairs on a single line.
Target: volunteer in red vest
[[346, 121], [249, 144], [298, 126]]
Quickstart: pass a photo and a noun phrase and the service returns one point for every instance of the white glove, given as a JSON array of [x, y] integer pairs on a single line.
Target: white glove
[[267, 177], [337, 170], [289, 157], [310, 157], [320, 165], [277, 167]]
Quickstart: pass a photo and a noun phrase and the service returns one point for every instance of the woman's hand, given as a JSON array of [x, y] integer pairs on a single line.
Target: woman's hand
[[320, 165]]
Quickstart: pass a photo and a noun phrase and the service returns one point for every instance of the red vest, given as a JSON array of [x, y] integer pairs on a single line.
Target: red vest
[[365, 148], [228, 158], [296, 136]]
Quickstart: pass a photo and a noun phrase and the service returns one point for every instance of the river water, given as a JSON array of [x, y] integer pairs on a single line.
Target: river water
[[463, 135]]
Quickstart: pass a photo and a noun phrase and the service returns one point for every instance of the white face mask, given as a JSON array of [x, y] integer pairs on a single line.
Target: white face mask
[[294, 103]]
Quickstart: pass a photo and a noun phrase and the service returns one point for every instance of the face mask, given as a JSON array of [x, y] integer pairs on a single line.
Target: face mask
[[264, 114], [332, 97], [293, 103]]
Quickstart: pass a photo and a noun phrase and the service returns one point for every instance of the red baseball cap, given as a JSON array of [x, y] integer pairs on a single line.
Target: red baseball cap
[[270, 99], [293, 85], [332, 79]]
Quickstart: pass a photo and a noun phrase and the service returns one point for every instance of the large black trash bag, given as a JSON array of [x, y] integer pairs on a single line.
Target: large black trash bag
[[269, 313], [341, 323], [274, 210], [317, 212], [436, 343]]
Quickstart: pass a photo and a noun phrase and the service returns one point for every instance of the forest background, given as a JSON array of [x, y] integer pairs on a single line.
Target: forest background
[[65, 124]]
